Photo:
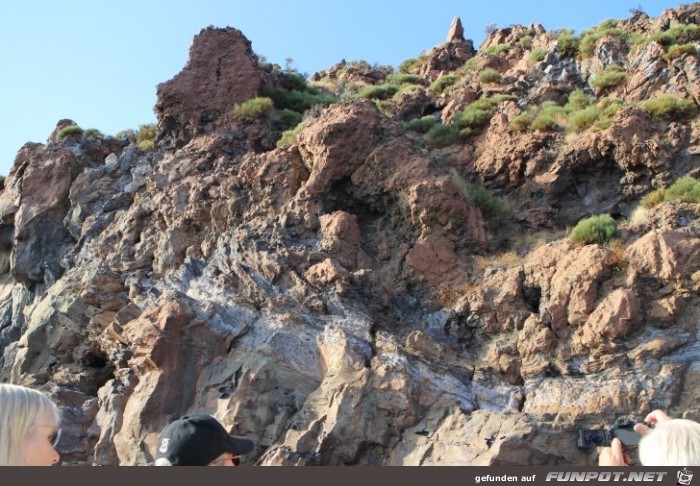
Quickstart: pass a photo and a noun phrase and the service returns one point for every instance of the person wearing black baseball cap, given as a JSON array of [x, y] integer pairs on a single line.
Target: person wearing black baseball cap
[[200, 440]]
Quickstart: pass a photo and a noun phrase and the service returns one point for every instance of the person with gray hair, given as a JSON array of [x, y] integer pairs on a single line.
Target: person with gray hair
[[671, 442], [29, 427]]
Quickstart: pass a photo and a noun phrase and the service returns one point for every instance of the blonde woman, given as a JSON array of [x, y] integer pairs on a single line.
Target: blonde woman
[[29, 427]]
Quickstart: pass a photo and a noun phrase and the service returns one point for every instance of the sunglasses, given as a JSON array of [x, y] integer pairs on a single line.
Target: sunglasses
[[55, 437]]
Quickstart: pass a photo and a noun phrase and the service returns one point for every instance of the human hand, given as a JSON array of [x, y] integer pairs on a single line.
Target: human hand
[[613, 455], [655, 417]]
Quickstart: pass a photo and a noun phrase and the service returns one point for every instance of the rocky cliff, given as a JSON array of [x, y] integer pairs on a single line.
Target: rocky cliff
[[345, 298]]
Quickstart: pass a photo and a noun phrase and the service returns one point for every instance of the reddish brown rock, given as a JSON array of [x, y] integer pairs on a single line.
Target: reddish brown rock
[[337, 143], [667, 254], [342, 239], [613, 319], [433, 260], [221, 71]]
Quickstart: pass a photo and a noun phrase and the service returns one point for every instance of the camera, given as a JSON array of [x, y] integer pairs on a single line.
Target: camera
[[622, 429]]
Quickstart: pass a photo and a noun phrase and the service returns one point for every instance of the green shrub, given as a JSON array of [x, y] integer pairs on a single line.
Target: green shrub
[[568, 44], [525, 42], [669, 107], [608, 24], [497, 49], [610, 106], [290, 136], [409, 65], [652, 199], [664, 38], [584, 119], [521, 123], [596, 229], [146, 136], [549, 117], [147, 132], [477, 114], [578, 100], [399, 79], [129, 134], [634, 39], [146, 145], [536, 56], [289, 118], [293, 81], [69, 130], [422, 125], [253, 109], [493, 208], [685, 33], [612, 76], [442, 136], [686, 189], [380, 92], [591, 37], [678, 34], [489, 75], [298, 101], [94, 132], [680, 50], [473, 117], [468, 67], [442, 83], [581, 115]]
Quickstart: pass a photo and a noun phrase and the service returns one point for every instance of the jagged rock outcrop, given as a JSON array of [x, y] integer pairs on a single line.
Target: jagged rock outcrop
[[346, 298], [221, 71], [456, 32]]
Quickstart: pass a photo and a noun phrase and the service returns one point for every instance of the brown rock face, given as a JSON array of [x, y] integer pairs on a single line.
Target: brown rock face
[[456, 32], [337, 144], [221, 71]]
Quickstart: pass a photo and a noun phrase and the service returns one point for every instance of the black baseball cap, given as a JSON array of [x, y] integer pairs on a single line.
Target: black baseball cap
[[196, 440]]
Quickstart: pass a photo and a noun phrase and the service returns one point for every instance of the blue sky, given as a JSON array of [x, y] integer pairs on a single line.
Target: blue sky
[[98, 63]]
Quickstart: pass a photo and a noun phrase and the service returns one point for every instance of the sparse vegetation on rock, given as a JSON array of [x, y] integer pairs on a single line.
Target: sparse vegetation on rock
[[69, 130], [442, 83], [489, 75], [670, 107], [597, 229], [686, 189], [609, 78], [146, 136], [260, 107], [536, 56]]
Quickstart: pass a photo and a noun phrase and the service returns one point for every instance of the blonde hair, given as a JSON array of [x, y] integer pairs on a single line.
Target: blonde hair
[[672, 443], [21, 409]]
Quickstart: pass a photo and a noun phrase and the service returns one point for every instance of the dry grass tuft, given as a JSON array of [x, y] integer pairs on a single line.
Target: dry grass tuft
[[618, 249]]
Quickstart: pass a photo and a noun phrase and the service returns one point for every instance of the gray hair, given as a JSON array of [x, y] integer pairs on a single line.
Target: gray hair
[[672, 443], [21, 409]]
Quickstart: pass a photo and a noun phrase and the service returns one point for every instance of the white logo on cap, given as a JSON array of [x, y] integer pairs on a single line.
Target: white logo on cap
[[164, 446]]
